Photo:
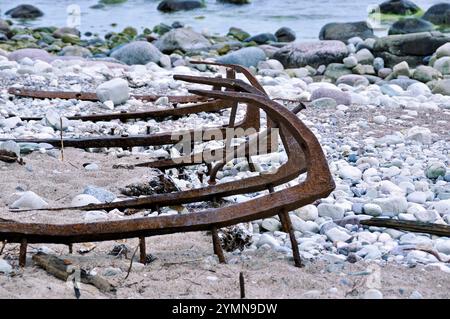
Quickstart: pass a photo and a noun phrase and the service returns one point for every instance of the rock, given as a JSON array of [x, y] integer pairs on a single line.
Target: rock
[[378, 64], [76, 50], [329, 210], [372, 210], [336, 70], [55, 120], [285, 34], [270, 65], [324, 102], [399, 7], [308, 212], [33, 54], [235, 1], [364, 56], [5, 268], [101, 194], [350, 61], [24, 11], [339, 96], [434, 170], [304, 226], [83, 200], [353, 80], [373, 294], [443, 50], [91, 167], [137, 52], [349, 172], [419, 134], [384, 72], [345, 30], [337, 234], [4, 26], [296, 55], [412, 47], [442, 65], [262, 38], [111, 271], [238, 33], [184, 39], [394, 204], [438, 14], [415, 295], [442, 207], [29, 200], [10, 146], [443, 246], [401, 69], [442, 87], [417, 197], [178, 5], [271, 224], [267, 239], [410, 25], [369, 252], [426, 74], [60, 32], [380, 119], [115, 90], [247, 57], [95, 215]]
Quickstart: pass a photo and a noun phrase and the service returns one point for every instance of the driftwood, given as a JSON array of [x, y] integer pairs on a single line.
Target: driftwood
[[63, 269], [413, 226]]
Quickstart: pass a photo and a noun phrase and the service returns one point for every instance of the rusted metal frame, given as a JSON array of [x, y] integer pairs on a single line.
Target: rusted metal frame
[[319, 183], [83, 96], [217, 246]]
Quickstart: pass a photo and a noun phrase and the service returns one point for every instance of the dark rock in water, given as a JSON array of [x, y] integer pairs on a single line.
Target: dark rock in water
[[59, 33], [34, 54], [235, 1], [262, 38], [246, 57], [400, 7], [339, 96], [97, 6], [346, 30], [161, 28], [410, 25], [438, 14], [316, 53], [137, 52], [24, 11], [177, 24], [178, 5], [412, 47], [184, 39], [238, 33], [285, 34]]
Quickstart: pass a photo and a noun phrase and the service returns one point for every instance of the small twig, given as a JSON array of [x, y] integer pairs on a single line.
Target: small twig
[[131, 262], [62, 141], [3, 246], [181, 262]]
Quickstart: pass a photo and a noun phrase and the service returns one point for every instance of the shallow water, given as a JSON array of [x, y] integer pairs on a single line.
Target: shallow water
[[305, 17]]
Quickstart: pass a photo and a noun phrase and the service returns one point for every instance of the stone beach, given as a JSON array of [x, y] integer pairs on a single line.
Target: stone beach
[[379, 106]]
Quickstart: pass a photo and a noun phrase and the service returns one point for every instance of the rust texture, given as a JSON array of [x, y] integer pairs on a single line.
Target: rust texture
[[304, 156]]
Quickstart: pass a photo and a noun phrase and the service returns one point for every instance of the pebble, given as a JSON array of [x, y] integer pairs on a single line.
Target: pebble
[[329, 210], [434, 170], [380, 119], [271, 224], [83, 200], [115, 90], [95, 215], [372, 210], [29, 200], [101, 194], [5, 267], [337, 234], [266, 239], [373, 294], [308, 213]]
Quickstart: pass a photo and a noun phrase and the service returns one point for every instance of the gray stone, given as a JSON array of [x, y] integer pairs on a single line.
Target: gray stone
[[336, 70], [101, 194], [5, 267], [29, 200], [266, 239], [419, 134], [83, 200], [378, 64], [76, 50], [337, 234], [184, 39], [350, 61], [329, 210], [442, 65], [115, 90], [372, 210], [434, 170], [314, 53], [304, 226], [179, 5], [373, 294], [137, 52], [364, 56], [271, 224], [339, 96], [394, 204], [442, 87], [410, 25], [417, 197], [308, 212], [262, 38], [345, 30], [443, 246], [401, 69], [438, 14], [323, 102], [425, 74], [33, 54], [399, 7], [443, 50], [246, 57], [285, 34], [24, 11], [54, 120], [416, 295], [353, 80], [95, 215]]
